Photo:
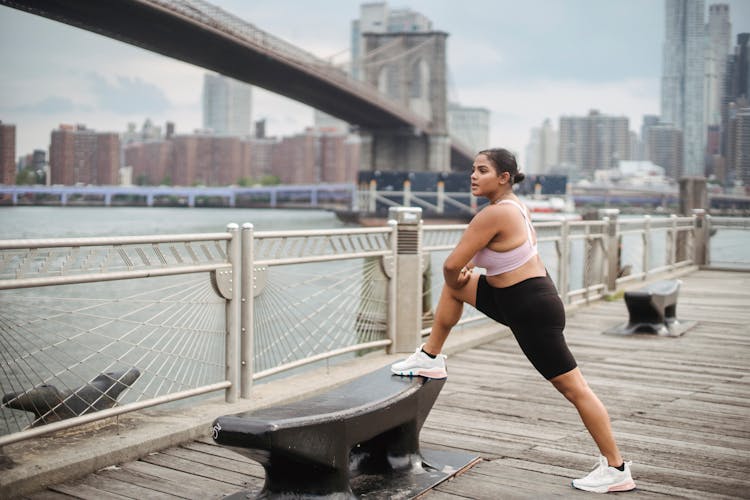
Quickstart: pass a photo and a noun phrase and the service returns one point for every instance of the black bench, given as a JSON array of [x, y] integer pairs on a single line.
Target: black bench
[[653, 309], [358, 439]]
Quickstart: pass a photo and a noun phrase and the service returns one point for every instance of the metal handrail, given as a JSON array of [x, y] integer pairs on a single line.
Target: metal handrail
[[593, 238]]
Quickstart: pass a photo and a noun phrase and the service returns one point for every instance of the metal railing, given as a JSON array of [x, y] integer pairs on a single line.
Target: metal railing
[[120, 324], [86, 319]]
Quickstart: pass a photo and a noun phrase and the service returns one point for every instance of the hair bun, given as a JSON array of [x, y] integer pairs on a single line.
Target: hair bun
[[518, 177]]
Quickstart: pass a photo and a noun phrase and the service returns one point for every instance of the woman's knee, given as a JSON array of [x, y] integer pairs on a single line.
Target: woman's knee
[[572, 385]]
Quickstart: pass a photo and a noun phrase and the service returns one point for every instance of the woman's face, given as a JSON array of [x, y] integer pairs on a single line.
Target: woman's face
[[484, 178]]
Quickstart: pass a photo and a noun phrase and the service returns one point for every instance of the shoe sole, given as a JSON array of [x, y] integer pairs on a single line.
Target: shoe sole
[[437, 374], [624, 486]]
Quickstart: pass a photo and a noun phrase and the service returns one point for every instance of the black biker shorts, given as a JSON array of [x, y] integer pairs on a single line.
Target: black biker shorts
[[533, 311]]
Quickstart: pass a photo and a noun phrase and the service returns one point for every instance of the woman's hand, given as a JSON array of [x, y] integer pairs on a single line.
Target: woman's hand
[[464, 275]]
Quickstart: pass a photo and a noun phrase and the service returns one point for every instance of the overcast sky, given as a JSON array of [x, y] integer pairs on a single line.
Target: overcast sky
[[525, 60]]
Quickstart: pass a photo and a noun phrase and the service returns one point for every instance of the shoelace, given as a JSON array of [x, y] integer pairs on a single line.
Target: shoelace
[[599, 468]]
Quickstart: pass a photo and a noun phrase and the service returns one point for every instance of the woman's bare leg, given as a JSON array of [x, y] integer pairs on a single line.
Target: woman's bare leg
[[573, 386], [448, 312]]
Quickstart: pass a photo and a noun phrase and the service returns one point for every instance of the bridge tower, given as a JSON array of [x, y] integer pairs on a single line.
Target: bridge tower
[[409, 67]]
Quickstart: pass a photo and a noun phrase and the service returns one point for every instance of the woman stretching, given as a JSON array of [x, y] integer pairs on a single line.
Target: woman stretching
[[517, 292]]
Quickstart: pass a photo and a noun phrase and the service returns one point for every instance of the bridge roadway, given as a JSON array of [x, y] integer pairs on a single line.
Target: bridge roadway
[[299, 195], [338, 196], [679, 408], [202, 34]]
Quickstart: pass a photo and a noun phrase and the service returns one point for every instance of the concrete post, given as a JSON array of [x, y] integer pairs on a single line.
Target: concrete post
[[609, 215], [439, 156], [693, 194], [701, 232], [406, 320]]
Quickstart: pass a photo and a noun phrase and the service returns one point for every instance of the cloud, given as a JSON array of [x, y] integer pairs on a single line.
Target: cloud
[[127, 95], [50, 105]]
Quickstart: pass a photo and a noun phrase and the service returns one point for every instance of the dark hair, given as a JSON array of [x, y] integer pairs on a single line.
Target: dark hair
[[504, 161]]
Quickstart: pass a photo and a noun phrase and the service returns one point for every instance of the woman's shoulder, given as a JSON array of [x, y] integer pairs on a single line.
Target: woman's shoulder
[[495, 214]]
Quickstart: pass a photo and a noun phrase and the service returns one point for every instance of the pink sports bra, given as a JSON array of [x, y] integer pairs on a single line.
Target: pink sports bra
[[502, 262]]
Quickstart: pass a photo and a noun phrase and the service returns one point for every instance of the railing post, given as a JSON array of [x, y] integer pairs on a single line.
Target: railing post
[[372, 200], [354, 197], [440, 197], [672, 249], [407, 193], [405, 301], [646, 246], [232, 372], [701, 232], [246, 310], [609, 216], [564, 284]]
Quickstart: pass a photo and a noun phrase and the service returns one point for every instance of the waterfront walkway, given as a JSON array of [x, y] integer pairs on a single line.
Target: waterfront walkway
[[680, 409]]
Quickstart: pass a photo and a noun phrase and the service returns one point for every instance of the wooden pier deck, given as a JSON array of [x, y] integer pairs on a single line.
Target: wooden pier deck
[[680, 409]]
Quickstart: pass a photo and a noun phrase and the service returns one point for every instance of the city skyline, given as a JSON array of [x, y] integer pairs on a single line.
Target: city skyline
[[510, 67]]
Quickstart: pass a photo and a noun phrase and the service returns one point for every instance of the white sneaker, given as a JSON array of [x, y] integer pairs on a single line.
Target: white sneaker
[[604, 479], [420, 364]]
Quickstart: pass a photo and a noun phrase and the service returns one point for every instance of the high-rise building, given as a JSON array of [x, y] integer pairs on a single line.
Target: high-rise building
[[7, 153], [664, 148], [470, 125], [83, 156], [683, 68], [376, 17], [648, 122], [227, 106], [593, 142], [719, 35], [542, 150], [736, 97], [742, 145]]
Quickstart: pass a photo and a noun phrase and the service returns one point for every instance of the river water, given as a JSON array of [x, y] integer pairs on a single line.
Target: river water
[[66, 222]]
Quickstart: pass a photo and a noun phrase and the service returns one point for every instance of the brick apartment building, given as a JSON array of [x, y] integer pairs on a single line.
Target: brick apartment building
[[82, 156], [7, 153]]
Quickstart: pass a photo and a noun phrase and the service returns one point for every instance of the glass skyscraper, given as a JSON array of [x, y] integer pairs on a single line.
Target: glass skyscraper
[[682, 83], [226, 106]]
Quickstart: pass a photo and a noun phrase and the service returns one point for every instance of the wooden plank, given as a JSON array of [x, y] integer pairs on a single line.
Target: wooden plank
[[196, 469], [120, 486], [47, 495], [152, 483], [85, 492], [253, 469], [182, 480]]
